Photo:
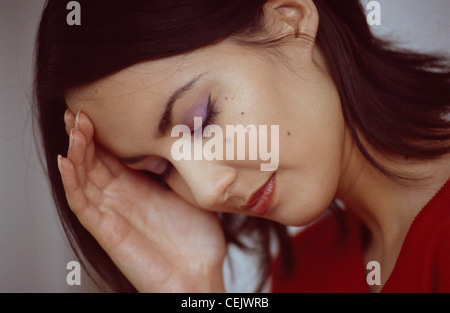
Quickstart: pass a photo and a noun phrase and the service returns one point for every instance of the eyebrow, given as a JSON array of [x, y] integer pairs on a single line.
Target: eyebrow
[[166, 118]]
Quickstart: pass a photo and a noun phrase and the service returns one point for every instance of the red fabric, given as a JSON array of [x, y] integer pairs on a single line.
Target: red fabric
[[328, 255]]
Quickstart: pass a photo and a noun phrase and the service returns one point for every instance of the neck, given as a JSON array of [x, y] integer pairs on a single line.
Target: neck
[[388, 207]]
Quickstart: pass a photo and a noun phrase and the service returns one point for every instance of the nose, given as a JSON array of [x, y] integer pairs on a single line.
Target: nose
[[209, 181]]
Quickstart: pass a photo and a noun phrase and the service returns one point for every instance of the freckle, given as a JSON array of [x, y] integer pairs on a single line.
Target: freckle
[[242, 113], [226, 98]]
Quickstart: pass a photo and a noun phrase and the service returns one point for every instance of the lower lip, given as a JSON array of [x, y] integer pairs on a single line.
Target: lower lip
[[265, 199]]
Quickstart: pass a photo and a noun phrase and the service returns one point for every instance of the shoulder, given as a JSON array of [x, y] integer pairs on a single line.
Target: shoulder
[[440, 243], [424, 262], [437, 253]]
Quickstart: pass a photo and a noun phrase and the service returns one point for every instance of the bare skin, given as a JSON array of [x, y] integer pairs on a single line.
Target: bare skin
[[112, 202], [171, 240]]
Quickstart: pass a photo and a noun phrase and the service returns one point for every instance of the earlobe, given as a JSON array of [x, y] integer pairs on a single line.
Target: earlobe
[[300, 15]]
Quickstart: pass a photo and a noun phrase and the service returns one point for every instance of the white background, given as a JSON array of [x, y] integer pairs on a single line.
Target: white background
[[33, 249]]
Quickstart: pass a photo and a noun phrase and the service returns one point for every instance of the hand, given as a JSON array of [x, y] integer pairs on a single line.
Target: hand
[[159, 241]]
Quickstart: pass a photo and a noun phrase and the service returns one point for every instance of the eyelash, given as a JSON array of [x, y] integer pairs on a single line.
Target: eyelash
[[211, 115], [165, 175]]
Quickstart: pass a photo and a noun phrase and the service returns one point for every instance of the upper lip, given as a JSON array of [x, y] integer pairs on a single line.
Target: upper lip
[[255, 196]]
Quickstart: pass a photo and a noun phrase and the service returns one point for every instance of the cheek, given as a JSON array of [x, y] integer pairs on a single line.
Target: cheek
[[310, 171], [314, 130], [311, 154], [315, 152]]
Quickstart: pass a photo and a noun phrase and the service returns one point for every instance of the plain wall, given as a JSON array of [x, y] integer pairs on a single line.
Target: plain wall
[[33, 249]]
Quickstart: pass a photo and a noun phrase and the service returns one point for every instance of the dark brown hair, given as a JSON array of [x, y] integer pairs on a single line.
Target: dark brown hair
[[393, 100]]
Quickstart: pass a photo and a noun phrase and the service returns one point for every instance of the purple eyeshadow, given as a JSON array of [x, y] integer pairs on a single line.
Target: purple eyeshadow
[[200, 110]]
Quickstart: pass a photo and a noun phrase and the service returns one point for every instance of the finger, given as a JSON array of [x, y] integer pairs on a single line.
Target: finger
[[85, 126], [108, 228], [77, 148], [69, 120], [89, 167], [75, 196], [93, 153], [85, 161]]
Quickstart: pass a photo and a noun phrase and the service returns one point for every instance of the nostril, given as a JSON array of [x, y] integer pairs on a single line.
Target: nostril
[[208, 181], [216, 191]]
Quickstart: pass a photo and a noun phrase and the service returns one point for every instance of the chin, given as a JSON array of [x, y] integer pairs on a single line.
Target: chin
[[299, 214]]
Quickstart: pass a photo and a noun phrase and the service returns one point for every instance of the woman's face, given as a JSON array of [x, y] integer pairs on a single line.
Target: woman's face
[[227, 84]]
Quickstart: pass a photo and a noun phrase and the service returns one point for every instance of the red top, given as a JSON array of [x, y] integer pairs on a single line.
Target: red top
[[328, 256]]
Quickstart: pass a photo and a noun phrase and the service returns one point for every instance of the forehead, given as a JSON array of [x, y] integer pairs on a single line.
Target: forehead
[[160, 76], [124, 105], [129, 103], [151, 76]]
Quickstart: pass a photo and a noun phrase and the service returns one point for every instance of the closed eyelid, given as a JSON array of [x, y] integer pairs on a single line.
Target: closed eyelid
[[132, 160], [199, 110], [154, 165], [166, 119]]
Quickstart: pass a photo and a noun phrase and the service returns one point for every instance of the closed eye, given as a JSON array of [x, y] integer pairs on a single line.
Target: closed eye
[[165, 175], [211, 114], [162, 178]]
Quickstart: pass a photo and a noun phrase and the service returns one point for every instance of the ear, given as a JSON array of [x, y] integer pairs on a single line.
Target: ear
[[299, 16]]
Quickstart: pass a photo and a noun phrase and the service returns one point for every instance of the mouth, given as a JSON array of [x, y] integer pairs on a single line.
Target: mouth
[[261, 200]]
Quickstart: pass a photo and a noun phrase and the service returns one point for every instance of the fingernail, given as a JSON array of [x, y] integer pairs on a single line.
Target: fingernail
[[65, 116], [77, 120], [59, 162], [71, 139]]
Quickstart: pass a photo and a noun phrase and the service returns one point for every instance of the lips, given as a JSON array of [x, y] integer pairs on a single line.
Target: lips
[[261, 200]]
